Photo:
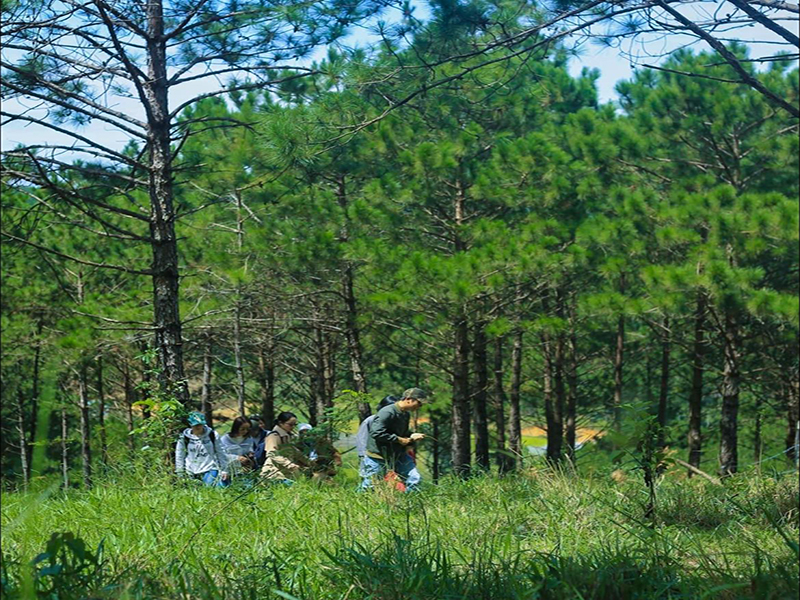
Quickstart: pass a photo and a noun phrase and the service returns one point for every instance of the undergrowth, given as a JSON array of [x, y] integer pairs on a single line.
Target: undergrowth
[[543, 535]]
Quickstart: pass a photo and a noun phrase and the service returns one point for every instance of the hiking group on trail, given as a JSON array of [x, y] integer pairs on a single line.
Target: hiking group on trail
[[384, 443]]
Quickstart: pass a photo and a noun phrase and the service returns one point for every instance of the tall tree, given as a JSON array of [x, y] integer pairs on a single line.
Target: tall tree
[[79, 61]]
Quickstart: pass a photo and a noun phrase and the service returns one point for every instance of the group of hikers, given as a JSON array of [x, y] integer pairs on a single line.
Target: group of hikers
[[384, 443]]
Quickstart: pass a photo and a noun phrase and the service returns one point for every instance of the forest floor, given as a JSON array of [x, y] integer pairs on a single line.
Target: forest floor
[[540, 534]]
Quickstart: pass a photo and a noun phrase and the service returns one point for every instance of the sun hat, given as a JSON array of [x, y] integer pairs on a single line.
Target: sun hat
[[196, 418]]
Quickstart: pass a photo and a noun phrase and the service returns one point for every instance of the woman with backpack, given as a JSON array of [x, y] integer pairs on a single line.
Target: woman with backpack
[[199, 455], [280, 462]]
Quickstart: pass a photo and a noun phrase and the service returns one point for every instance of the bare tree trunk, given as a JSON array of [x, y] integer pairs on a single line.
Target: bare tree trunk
[[206, 403], [266, 367], [101, 412], [663, 392], [86, 453], [23, 438], [514, 416], [503, 463], [64, 449], [237, 356], [695, 439], [728, 426], [166, 308], [479, 412], [460, 419]]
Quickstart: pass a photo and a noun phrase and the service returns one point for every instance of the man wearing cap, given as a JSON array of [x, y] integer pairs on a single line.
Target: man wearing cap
[[389, 440], [199, 455]]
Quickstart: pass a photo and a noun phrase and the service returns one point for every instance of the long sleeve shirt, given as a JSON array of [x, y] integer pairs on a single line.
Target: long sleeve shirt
[[277, 465], [196, 455], [236, 447], [390, 423]]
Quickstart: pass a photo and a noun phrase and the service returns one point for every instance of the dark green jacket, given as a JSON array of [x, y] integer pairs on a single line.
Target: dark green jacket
[[389, 424]]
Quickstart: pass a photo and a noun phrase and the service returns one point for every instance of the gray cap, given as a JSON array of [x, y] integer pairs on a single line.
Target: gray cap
[[415, 394]]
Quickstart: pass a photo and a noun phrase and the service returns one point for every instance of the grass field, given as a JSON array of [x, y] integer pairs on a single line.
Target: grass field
[[537, 535]]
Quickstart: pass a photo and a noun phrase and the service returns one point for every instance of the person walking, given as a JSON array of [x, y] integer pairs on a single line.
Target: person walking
[[389, 441], [198, 454], [278, 465]]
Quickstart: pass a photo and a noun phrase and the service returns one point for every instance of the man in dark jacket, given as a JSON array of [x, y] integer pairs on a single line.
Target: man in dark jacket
[[389, 441]]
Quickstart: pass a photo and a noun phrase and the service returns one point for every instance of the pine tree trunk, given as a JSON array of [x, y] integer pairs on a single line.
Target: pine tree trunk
[[460, 419], [315, 385], [328, 369], [437, 460], [146, 382], [758, 445], [64, 448], [166, 309], [695, 439], [353, 336], [663, 392], [618, 365], [86, 453], [130, 398], [556, 437], [206, 403], [23, 438], [266, 367], [322, 374], [793, 420], [503, 463], [352, 333], [35, 391], [479, 411], [101, 412], [237, 357], [572, 393], [728, 426], [514, 415]]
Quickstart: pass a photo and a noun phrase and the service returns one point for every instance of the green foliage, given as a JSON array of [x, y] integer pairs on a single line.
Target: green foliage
[[545, 537]]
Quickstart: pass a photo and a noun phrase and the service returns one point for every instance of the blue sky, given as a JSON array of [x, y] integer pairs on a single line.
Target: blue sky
[[611, 62]]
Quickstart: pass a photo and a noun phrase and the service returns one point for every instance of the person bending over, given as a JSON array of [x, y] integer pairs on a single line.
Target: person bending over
[[390, 439]]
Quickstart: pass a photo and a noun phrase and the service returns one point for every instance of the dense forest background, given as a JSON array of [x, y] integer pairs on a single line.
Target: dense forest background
[[319, 234]]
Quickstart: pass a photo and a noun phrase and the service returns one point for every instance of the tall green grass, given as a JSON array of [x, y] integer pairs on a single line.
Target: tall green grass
[[541, 535]]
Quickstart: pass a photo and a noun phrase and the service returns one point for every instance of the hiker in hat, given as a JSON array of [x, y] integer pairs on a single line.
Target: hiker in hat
[[277, 450], [389, 441], [199, 455], [239, 446]]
